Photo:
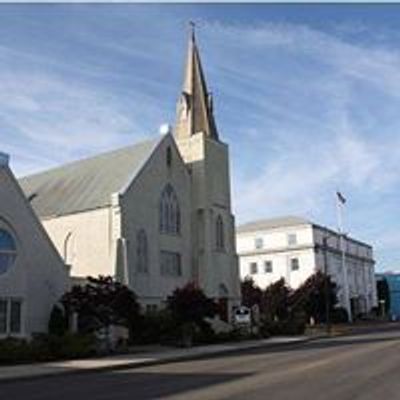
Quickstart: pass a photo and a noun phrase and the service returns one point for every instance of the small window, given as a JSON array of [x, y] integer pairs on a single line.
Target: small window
[[169, 211], [10, 316], [292, 239], [258, 243], [3, 316], [8, 251], [151, 308], [253, 268], [169, 156], [170, 264], [142, 253], [294, 264], [268, 267], [15, 316], [219, 233]]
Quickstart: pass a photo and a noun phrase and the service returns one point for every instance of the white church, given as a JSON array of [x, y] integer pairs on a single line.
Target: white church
[[157, 214]]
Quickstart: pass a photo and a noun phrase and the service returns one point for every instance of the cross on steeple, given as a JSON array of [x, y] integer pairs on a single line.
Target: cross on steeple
[[194, 109]]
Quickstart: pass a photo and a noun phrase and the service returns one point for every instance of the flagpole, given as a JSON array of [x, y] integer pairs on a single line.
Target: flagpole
[[339, 207]]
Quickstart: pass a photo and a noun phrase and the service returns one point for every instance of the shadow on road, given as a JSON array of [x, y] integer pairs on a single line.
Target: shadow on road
[[125, 384]]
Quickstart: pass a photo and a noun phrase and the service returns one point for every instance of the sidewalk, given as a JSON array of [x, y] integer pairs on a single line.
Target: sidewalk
[[30, 371]]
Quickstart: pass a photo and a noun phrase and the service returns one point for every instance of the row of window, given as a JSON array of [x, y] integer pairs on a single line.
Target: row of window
[[268, 266], [170, 217], [10, 316], [291, 241]]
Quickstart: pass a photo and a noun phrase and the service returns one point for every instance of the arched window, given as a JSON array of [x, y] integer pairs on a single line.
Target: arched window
[[170, 215], [142, 255], [219, 233], [8, 251]]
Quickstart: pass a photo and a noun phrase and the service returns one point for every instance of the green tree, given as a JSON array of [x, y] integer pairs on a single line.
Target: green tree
[[275, 301], [190, 307], [251, 293], [311, 297], [100, 303]]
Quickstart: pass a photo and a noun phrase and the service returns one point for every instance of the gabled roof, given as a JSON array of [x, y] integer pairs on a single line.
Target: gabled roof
[[272, 223], [86, 184]]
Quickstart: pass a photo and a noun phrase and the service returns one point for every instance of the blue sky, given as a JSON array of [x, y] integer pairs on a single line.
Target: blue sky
[[308, 98]]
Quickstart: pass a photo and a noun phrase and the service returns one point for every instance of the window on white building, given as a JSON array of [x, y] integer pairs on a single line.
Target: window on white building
[[170, 264], [10, 316], [268, 267], [219, 233], [142, 254], [292, 239], [8, 251], [170, 216], [294, 264], [3, 316], [253, 268], [258, 243]]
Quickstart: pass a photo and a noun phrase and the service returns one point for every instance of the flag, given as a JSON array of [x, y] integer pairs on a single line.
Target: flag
[[340, 197]]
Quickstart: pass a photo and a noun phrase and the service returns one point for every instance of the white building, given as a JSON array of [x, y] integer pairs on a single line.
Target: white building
[[292, 248], [33, 276], [155, 215]]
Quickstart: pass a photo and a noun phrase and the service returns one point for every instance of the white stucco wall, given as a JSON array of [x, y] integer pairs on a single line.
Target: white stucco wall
[[140, 210], [85, 239], [38, 276], [208, 161], [275, 249]]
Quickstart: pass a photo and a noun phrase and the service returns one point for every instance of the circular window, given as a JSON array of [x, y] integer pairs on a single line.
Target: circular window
[[8, 251]]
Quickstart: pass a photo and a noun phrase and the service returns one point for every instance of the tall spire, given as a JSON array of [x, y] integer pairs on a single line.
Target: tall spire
[[194, 108]]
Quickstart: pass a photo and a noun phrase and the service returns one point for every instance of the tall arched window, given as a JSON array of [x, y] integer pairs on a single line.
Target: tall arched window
[[142, 256], [170, 215], [8, 251], [219, 233]]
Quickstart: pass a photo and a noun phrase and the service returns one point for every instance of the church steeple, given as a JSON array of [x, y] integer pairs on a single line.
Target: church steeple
[[194, 108]]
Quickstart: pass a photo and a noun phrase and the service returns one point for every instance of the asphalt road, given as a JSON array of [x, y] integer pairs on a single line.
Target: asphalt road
[[363, 367]]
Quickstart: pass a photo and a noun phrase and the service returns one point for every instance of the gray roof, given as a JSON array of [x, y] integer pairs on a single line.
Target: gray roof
[[86, 184], [271, 223]]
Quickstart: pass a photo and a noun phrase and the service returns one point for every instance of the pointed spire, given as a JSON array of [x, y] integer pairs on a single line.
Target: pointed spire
[[194, 109]]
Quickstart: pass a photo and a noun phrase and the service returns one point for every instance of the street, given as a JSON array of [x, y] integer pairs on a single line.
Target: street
[[364, 366]]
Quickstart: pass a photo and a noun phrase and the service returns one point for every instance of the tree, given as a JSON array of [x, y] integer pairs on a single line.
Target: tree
[[189, 304], [275, 301], [58, 323], [100, 303], [189, 307], [311, 297], [251, 294]]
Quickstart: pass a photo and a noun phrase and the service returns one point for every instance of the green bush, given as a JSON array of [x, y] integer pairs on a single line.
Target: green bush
[[155, 327], [14, 351], [295, 324], [46, 348], [339, 315]]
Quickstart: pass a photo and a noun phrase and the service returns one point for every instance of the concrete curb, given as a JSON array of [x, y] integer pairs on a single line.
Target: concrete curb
[[195, 353]]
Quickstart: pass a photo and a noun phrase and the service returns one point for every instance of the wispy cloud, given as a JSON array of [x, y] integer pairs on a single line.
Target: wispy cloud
[[305, 109]]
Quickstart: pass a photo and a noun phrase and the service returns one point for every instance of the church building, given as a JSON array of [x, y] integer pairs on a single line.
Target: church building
[[157, 214]]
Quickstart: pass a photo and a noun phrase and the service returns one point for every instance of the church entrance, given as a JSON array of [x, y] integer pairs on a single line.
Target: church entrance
[[223, 309]]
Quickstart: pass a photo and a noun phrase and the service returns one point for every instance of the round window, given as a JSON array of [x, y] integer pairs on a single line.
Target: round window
[[8, 251]]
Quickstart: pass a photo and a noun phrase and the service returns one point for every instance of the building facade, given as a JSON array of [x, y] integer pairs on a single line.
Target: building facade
[[33, 276], [293, 248], [392, 280], [155, 215]]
